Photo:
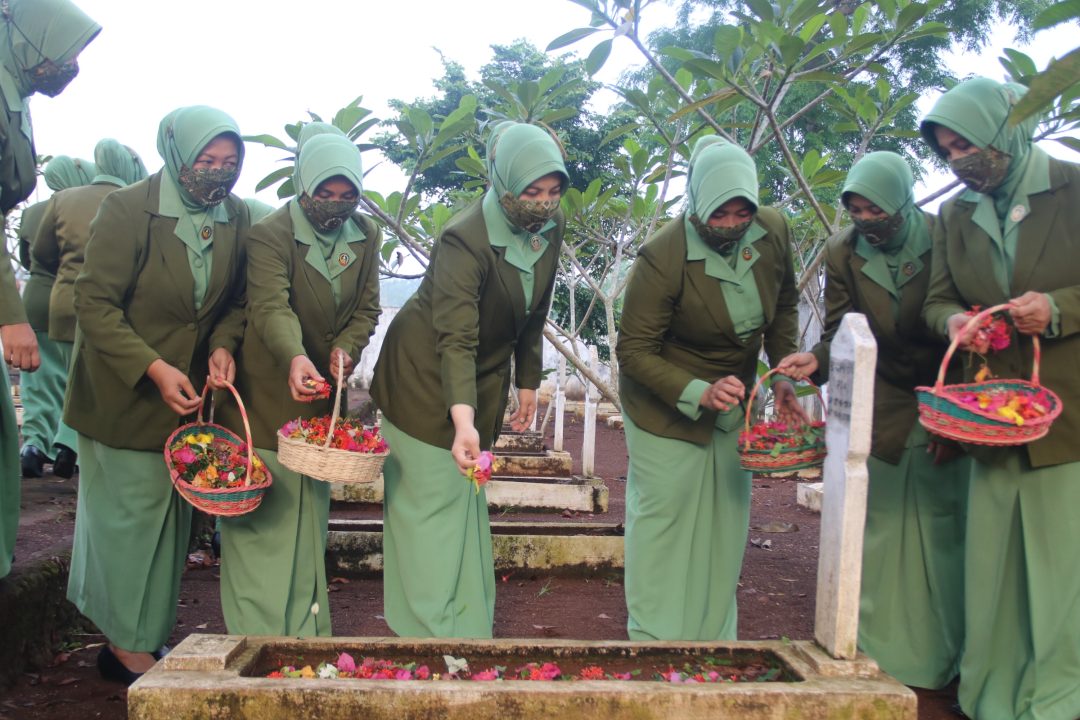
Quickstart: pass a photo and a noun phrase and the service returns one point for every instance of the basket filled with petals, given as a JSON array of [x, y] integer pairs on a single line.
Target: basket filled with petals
[[212, 468], [989, 411], [776, 446], [332, 448]]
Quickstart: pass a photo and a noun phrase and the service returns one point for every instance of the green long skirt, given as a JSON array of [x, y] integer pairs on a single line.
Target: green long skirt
[[131, 540], [439, 573], [687, 518], [10, 472], [911, 611], [273, 559], [64, 434], [42, 393], [1022, 653]]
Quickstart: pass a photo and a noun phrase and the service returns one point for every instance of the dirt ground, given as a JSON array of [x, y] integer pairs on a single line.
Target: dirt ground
[[776, 591]]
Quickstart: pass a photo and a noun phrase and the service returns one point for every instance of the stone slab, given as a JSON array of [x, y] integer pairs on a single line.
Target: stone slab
[[227, 692], [510, 441], [809, 495]]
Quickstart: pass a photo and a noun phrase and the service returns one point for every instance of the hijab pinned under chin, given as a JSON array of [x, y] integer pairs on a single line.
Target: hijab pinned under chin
[[519, 154], [182, 136], [324, 156], [885, 179], [719, 171]]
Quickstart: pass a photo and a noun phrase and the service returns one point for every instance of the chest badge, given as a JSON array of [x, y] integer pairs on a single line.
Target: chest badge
[[747, 254], [343, 259], [206, 232], [908, 269], [1018, 213], [535, 242]]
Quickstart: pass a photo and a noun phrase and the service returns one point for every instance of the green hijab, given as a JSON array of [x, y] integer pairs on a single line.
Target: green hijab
[[518, 154], [322, 157], [978, 110], [65, 172], [719, 171], [183, 134], [885, 179], [38, 30], [117, 163], [313, 129]]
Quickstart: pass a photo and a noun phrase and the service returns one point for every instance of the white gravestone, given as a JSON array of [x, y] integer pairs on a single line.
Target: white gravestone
[[592, 398], [843, 513], [560, 402]]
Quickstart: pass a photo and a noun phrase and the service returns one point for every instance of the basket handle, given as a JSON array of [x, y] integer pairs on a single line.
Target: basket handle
[[977, 318], [337, 401], [754, 392], [243, 416]]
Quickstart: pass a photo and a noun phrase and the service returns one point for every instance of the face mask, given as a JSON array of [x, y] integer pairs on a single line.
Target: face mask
[[721, 239], [530, 215], [327, 215], [878, 232], [983, 171], [208, 186], [50, 79]]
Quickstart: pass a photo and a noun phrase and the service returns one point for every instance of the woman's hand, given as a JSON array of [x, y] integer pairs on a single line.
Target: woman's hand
[[347, 365], [526, 409], [723, 394], [175, 387], [222, 369], [466, 447], [20, 346], [970, 339], [798, 366], [300, 370], [1031, 313], [788, 408]]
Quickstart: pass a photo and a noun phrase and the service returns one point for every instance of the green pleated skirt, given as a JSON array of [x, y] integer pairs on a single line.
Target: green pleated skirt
[[42, 393], [10, 474], [687, 518], [130, 544], [273, 559], [439, 573], [1022, 653], [911, 610]]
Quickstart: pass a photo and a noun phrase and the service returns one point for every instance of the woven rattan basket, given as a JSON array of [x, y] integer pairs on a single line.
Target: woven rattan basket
[[768, 460], [328, 464], [226, 502], [942, 413]]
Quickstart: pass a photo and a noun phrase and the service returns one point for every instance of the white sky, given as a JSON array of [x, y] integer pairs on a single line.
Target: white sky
[[266, 62]]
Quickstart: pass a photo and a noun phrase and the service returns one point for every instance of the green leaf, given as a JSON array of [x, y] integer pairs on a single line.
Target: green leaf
[[276, 176], [1069, 142], [806, 12], [703, 103], [561, 114], [762, 8], [1023, 63], [810, 27], [726, 39], [708, 68], [551, 78], [910, 15], [1061, 12], [791, 47], [888, 8], [570, 38], [1057, 78], [268, 141], [619, 132], [861, 42], [838, 23], [598, 57], [925, 30], [681, 54], [286, 189]]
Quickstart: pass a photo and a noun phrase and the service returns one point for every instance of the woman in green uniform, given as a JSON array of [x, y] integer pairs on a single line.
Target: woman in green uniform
[[705, 293], [1011, 236], [42, 391], [911, 613], [59, 247], [39, 41], [443, 377], [159, 307], [313, 297]]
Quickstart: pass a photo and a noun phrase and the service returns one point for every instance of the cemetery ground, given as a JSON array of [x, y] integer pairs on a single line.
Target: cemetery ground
[[776, 591]]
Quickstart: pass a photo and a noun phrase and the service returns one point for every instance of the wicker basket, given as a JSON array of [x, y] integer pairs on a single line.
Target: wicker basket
[[328, 464], [941, 412], [226, 502], [764, 460]]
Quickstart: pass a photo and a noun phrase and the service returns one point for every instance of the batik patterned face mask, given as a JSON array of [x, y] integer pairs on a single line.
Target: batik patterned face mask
[[982, 171], [879, 231], [50, 79], [208, 186], [530, 215], [327, 215], [721, 239]]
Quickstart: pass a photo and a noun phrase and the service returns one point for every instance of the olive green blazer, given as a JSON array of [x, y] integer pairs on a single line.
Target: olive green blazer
[[60, 245], [675, 326], [11, 307], [1047, 261], [134, 300], [453, 339], [908, 352], [290, 312], [18, 170], [35, 295]]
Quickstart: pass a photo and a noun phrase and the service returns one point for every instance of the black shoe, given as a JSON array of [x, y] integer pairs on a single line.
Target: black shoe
[[110, 668], [957, 710], [33, 461], [161, 652], [64, 464]]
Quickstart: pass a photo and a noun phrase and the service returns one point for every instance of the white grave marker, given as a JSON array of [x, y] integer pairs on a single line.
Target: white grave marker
[[843, 514], [592, 398], [560, 402]]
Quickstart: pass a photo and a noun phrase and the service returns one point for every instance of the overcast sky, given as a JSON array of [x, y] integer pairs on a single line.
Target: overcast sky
[[267, 62]]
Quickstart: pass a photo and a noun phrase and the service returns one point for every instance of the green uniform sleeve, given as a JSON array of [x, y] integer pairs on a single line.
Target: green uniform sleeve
[[355, 335], [690, 401], [12, 311], [45, 249], [268, 282], [942, 297], [108, 275], [455, 315]]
